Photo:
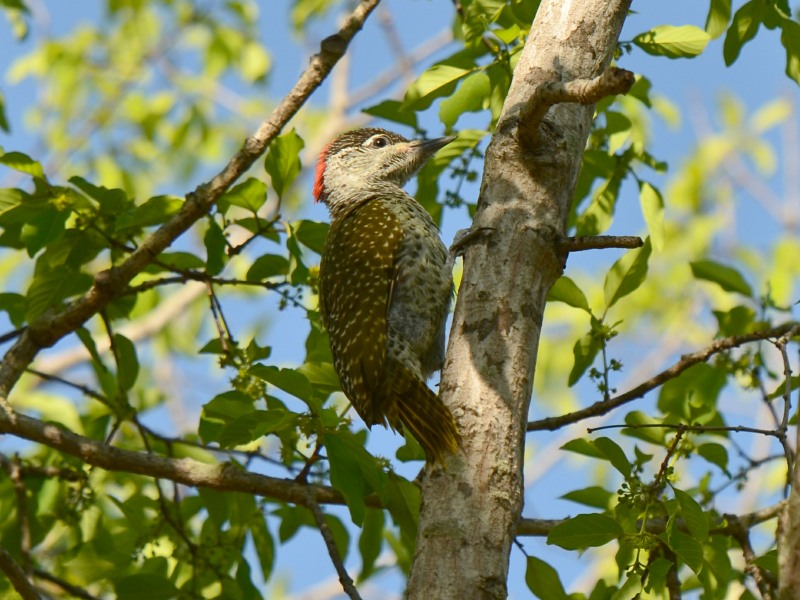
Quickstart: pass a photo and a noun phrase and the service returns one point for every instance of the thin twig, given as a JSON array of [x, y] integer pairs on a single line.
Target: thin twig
[[73, 590], [596, 242], [23, 518], [682, 427], [765, 584], [17, 577], [686, 361], [344, 578]]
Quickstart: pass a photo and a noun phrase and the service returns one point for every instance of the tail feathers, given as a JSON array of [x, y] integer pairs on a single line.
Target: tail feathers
[[423, 413]]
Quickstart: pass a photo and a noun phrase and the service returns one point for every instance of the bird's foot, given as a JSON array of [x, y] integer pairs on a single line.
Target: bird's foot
[[465, 237]]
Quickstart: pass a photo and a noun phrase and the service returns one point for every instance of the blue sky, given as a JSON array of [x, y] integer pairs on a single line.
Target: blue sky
[[756, 78]]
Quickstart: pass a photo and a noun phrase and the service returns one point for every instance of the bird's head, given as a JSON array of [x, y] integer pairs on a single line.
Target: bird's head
[[366, 161]]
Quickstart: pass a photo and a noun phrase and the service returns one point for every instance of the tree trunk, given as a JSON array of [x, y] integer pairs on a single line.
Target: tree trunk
[[470, 511]]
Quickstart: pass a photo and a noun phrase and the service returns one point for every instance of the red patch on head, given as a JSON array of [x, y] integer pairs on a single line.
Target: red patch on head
[[319, 175]]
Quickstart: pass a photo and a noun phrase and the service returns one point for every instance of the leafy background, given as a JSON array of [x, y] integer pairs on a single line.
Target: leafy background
[[134, 102]]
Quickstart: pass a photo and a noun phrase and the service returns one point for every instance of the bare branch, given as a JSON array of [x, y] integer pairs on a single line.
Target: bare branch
[[73, 590], [765, 583], [596, 242], [17, 577], [223, 477], [580, 91], [344, 578], [543, 527], [680, 427], [686, 361], [109, 284]]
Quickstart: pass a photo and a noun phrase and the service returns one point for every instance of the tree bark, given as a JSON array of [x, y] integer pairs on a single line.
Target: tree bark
[[470, 510]]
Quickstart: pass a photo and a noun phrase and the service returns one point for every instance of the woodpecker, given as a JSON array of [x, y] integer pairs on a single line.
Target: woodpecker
[[385, 285]]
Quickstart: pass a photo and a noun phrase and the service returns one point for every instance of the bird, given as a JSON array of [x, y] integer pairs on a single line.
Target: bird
[[385, 284]]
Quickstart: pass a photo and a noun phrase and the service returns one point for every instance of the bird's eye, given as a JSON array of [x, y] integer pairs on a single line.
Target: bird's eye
[[379, 141]]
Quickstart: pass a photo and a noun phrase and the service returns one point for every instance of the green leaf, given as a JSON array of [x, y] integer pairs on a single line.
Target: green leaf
[[268, 265], [437, 82], [476, 17], [584, 531], [14, 305], [736, 321], [3, 119], [693, 515], [716, 454], [728, 278], [10, 198], [127, 362], [616, 456], [657, 571], [22, 163], [594, 496], [472, 95], [627, 274], [719, 15], [353, 471], [790, 38], [112, 201], [254, 62], [768, 561], [250, 194], [391, 110], [403, 502], [771, 114], [685, 41], [43, 229], [654, 435], [584, 447], [311, 234], [688, 549], [283, 161], [144, 586], [565, 290], [289, 380], [263, 543], [215, 243], [50, 287], [370, 542], [154, 211], [653, 211], [744, 27], [543, 580], [182, 261], [255, 424], [584, 351]]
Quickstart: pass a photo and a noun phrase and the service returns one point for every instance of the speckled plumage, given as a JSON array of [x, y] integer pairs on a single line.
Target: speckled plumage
[[384, 285]]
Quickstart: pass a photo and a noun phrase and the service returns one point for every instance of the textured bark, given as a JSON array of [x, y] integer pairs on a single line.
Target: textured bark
[[470, 511]]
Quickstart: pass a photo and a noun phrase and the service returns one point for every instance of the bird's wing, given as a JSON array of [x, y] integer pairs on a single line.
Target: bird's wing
[[356, 281]]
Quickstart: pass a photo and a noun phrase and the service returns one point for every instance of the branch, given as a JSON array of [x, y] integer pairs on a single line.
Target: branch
[[580, 91], [596, 242], [727, 523], [187, 471], [17, 577], [73, 590], [765, 584], [686, 361], [109, 284], [344, 578]]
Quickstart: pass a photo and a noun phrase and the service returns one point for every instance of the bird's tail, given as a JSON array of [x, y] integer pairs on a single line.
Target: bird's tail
[[424, 414]]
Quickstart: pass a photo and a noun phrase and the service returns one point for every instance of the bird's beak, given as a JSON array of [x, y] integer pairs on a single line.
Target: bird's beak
[[432, 146]]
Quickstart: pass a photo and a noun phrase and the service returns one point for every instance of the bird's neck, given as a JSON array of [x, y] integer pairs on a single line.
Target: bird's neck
[[344, 199]]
